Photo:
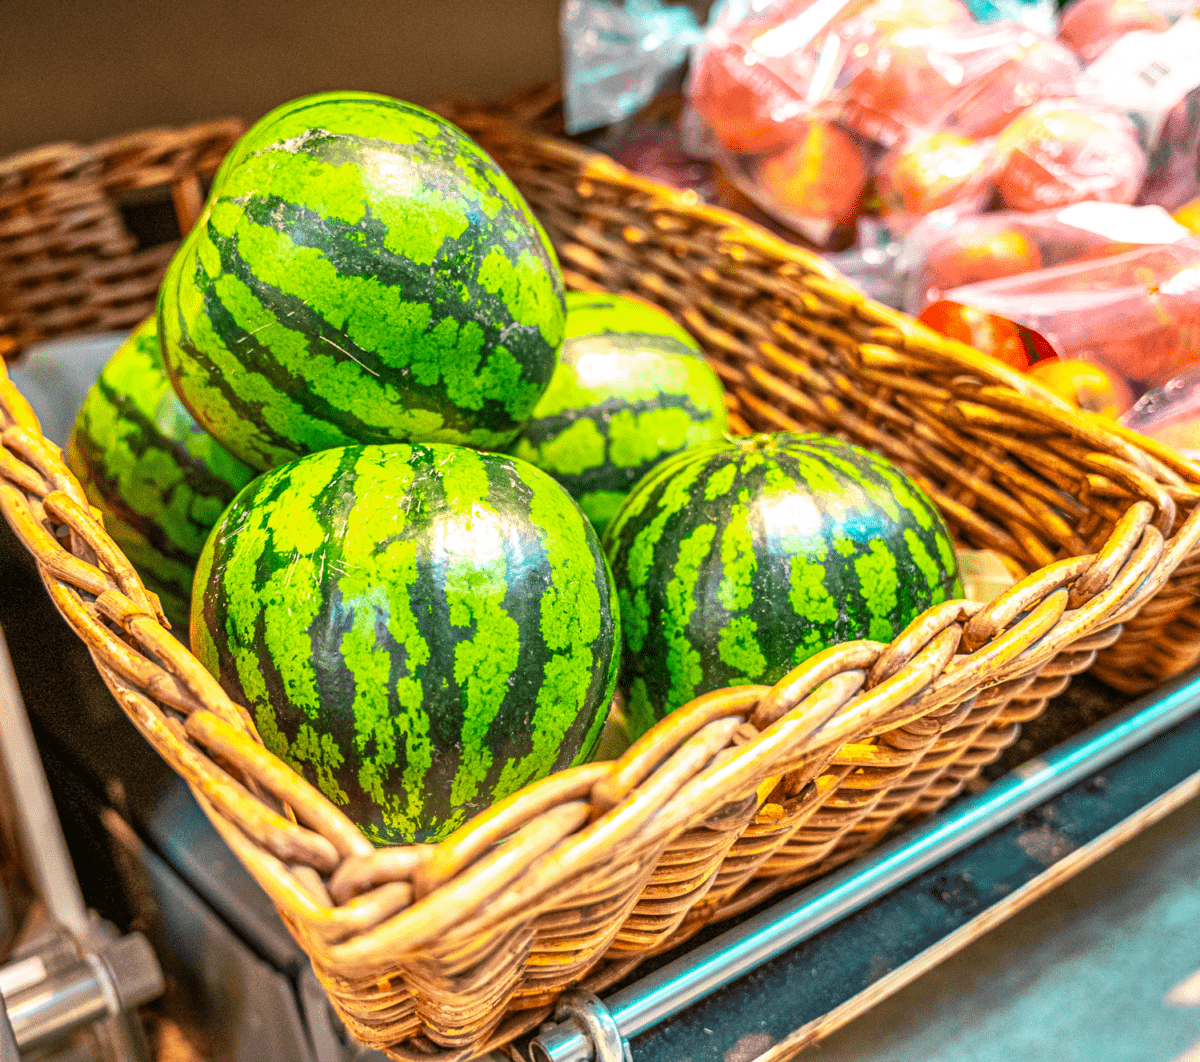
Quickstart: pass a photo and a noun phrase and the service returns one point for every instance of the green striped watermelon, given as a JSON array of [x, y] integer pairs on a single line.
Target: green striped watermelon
[[160, 480], [362, 272], [631, 388], [736, 561], [259, 134], [420, 630]]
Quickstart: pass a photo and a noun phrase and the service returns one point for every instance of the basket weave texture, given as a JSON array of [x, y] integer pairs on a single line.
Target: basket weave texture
[[455, 949], [69, 262]]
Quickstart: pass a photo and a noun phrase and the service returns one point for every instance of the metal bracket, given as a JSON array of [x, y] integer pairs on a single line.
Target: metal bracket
[[593, 1021], [81, 972]]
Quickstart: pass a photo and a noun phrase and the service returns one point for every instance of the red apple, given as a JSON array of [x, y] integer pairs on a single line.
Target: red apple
[[1090, 26], [1060, 152]]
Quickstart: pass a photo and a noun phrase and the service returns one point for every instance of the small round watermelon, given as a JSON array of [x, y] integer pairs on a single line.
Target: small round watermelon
[[419, 630], [361, 273], [735, 561], [631, 388], [160, 480]]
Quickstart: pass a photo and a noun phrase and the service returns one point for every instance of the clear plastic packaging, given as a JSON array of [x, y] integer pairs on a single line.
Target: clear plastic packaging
[[806, 102], [815, 184], [1091, 26], [651, 144], [1171, 414], [617, 56], [939, 254], [940, 171], [1068, 151], [1041, 16], [760, 69], [1136, 314], [1155, 79], [964, 77], [871, 268], [1022, 67]]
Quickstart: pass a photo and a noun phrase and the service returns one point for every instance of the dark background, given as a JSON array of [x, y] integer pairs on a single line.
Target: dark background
[[85, 70]]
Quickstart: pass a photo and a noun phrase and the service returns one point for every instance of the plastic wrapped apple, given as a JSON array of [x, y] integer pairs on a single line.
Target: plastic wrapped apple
[[967, 78], [1137, 313], [974, 254], [1090, 26], [940, 255], [751, 80], [1084, 385], [893, 83], [751, 105], [984, 331], [935, 171], [1066, 151], [1025, 68], [816, 185]]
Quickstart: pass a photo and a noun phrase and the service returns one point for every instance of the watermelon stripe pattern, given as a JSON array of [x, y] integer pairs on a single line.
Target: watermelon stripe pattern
[[419, 630], [736, 561], [159, 479], [631, 389], [381, 282]]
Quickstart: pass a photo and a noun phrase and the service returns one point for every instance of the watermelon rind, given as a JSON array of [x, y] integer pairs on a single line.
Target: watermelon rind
[[736, 561], [361, 273], [631, 389], [160, 481], [420, 630]]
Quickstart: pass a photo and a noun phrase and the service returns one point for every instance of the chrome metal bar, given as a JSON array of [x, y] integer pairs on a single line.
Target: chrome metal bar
[[52, 991], [72, 998], [48, 993], [711, 966], [46, 849]]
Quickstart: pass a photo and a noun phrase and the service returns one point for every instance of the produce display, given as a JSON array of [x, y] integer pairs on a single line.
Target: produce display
[[631, 388], [363, 272], [910, 107], [735, 561], [419, 629], [412, 597], [443, 530], [943, 153], [160, 480]]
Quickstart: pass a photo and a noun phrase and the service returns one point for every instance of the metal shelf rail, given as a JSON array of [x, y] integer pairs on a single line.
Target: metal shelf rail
[[588, 1028]]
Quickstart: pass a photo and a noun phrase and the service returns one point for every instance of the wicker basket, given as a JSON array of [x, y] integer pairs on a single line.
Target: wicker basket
[[70, 261], [454, 949]]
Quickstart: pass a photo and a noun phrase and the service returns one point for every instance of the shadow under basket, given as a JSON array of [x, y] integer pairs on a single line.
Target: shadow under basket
[[451, 950]]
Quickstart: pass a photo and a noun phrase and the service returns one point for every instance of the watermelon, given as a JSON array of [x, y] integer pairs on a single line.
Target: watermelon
[[419, 630], [631, 388], [260, 133], [159, 479], [735, 561], [361, 273]]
